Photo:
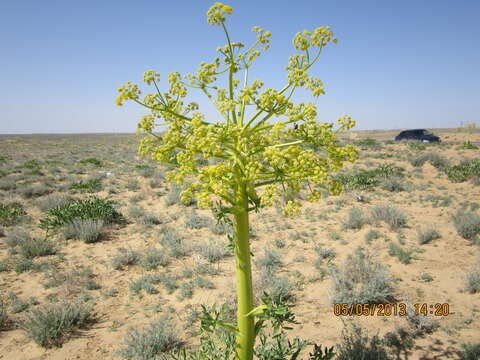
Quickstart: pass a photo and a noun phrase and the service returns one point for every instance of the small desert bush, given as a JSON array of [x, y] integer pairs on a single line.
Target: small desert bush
[[144, 283], [74, 280], [404, 256], [4, 317], [53, 200], [357, 345], [153, 257], [173, 197], [173, 241], [214, 250], [11, 213], [197, 222], [467, 145], [32, 247], [356, 219], [471, 351], [427, 235], [467, 224], [53, 324], [372, 234], [153, 342], [361, 280], [278, 287], [466, 170], [7, 184], [270, 261], [420, 324], [91, 161], [434, 159], [472, 281], [124, 258], [92, 208], [394, 217], [34, 191], [87, 186], [395, 184], [87, 230], [366, 179], [221, 228]]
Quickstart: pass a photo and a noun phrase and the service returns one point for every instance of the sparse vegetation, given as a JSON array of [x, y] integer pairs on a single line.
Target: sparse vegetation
[[51, 325], [11, 213], [87, 230], [467, 224], [394, 217]]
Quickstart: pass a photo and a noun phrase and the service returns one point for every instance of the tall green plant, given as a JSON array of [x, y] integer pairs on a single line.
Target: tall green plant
[[255, 163]]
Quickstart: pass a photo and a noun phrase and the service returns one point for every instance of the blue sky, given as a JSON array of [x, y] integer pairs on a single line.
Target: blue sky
[[398, 64]]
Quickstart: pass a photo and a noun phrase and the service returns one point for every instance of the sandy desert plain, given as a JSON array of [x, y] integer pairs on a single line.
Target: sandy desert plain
[[420, 219]]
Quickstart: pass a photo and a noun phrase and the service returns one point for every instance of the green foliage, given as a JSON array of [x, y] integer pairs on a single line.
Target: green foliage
[[399, 252], [471, 351], [367, 179], [467, 145], [92, 161], [53, 324], [467, 224], [91, 208], [434, 159], [88, 186], [466, 170], [11, 213]]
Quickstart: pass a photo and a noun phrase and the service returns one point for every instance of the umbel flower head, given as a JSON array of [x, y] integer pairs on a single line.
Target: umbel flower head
[[269, 161]]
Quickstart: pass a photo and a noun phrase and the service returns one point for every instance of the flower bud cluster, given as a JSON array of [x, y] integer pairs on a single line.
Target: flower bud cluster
[[216, 13]]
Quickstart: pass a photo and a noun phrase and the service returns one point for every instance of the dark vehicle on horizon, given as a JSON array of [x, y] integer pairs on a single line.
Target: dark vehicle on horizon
[[417, 134]]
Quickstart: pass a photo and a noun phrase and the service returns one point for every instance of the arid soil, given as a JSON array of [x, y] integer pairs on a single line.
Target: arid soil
[[435, 273]]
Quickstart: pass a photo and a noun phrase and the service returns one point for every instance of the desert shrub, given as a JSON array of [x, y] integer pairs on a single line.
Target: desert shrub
[[87, 230], [400, 340], [420, 324], [173, 241], [366, 179], [471, 351], [11, 213], [472, 281], [467, 145], [53, 200], [466, 170], [221, 228], [372, 234], [438, 200], [159, 338], [270, 261], [404, 256], [155, 183], [16, 237], [356, 345], [434, 159], [153, 257], [34, 247], [7, 184], [124, 258], [34, 191], [87, 186], [53, 324], [144, 283], [173, 197], [92, 161], [277, 286], [395, 184], [361, 280], [136, 212], [427, 235], [356, 219], [23, 265], [151, 219], [197, 222], [74, 279], [394, 217], [214, 250], [132, 184], [4, 318], [146, 172], [467, 224], [92, 208]]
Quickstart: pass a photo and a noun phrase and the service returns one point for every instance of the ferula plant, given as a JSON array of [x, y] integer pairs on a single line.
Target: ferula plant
[[255, 163]]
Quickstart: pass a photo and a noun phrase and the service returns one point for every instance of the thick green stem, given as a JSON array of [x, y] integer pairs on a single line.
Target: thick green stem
[[245, 338]]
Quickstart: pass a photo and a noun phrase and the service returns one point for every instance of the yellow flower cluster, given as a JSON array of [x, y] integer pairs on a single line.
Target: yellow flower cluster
[[216, 13], [250, 157], [127, 91]]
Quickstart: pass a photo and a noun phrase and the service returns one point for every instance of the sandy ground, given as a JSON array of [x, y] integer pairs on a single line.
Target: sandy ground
[[446, 259]]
